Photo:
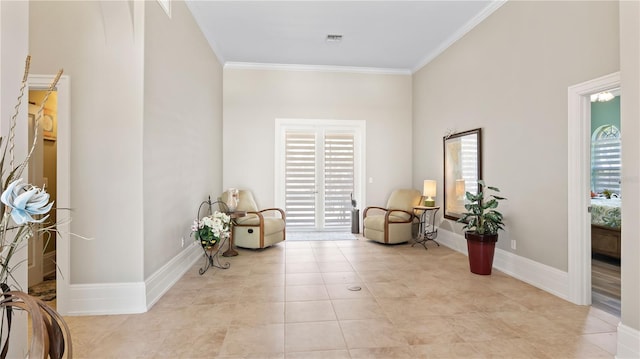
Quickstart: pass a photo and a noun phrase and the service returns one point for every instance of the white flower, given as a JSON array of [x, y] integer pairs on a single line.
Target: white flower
[[26, 200]]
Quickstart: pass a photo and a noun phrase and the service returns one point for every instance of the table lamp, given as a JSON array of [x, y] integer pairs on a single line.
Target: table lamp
[[429, 191]]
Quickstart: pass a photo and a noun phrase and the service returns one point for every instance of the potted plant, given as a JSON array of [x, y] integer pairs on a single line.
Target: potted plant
[[482, 223]]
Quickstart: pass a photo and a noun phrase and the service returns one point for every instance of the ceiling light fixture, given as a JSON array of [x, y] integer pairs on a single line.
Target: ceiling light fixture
[[602, 97], [334, 38]]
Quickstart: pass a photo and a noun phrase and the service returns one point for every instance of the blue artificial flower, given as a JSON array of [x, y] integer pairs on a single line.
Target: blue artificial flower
[[26, 200]]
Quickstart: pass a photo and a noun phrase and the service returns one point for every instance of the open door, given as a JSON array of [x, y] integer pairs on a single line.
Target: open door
[[35, 178]]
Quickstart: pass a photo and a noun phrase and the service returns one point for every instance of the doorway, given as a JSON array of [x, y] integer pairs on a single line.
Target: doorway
[[319, 166], [606, 200], [56, 262], [42, 174], [579, 185]]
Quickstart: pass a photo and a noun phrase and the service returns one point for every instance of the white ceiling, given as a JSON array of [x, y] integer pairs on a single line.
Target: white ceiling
[[391, 35]]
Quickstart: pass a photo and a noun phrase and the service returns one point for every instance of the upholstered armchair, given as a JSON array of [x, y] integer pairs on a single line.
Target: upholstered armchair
[[393, 223], [257, 230]]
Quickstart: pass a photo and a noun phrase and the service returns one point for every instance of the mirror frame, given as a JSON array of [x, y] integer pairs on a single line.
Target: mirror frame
[[452, 163]]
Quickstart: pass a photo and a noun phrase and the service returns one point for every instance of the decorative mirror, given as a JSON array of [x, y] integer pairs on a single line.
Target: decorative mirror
[[462, 170]]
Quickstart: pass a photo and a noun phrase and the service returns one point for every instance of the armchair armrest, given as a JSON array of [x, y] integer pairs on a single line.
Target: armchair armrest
[[364, 214], [389, 212], [282, 214]]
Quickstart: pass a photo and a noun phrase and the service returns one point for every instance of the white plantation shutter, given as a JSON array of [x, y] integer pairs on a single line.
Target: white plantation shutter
[[300, 179], [606, 163], [339, 173], [319, 179]]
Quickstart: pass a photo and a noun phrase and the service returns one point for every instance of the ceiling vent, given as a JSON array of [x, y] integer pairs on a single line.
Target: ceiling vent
[[334, 38]]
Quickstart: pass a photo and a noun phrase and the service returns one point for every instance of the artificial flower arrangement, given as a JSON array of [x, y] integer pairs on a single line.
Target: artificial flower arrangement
[[23, 212], [211, 229]]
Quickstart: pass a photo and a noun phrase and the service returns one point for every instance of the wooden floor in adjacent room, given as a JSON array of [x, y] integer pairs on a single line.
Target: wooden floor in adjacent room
[[605, 284]]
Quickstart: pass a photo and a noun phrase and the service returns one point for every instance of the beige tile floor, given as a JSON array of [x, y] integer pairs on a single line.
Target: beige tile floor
[[293, 301]]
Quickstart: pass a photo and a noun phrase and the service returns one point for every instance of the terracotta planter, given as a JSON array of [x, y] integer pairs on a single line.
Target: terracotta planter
[[481, 248]]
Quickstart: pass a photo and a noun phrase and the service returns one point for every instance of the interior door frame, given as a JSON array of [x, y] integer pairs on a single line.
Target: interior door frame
[[578, 189], [282, 125], [63, 179]]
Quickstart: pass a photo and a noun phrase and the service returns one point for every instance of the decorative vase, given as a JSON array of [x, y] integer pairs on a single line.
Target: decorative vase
[[233, 196], [481, 248]]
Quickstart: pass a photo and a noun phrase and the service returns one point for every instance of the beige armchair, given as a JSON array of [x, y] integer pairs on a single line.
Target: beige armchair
[[394, 223], [256, 230]]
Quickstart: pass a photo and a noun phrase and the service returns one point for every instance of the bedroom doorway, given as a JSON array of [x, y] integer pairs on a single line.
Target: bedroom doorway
[[580, 185], [606, 200]]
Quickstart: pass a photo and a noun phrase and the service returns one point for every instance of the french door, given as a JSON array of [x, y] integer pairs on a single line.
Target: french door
[[318, 173]]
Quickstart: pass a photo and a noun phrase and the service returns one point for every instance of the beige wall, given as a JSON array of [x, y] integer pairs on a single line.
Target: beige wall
[[510, 76], [142, 116], [254, 98], [182, 130], [629, 116], [99, 44]]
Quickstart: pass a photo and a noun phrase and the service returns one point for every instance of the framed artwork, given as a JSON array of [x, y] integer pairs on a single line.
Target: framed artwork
[[462, 170], [49, 125]]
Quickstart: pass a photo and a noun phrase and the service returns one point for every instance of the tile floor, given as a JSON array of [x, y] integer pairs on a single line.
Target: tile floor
[[293, 301]]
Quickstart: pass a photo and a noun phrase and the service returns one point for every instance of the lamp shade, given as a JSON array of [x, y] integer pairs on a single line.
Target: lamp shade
[[429, 188], [429, 191]]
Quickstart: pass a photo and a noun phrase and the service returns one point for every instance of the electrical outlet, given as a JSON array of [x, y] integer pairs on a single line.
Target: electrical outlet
[[513, 244], [182, 242]]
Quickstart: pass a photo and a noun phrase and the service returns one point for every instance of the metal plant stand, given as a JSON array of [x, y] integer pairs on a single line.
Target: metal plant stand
[[212, 258], [427, 230]]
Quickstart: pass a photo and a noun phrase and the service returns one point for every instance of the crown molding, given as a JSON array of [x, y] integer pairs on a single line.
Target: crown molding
[[315, 68], [490, 9]]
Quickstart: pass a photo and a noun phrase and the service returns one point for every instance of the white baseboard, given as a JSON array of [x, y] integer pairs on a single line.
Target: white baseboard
[[164, 278], [628, 342], [106, 298], [130, 298], [49, 263], [537, 274]]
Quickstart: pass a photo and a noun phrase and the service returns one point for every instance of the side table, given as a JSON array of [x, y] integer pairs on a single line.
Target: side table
[[231, 252], [427, 230]]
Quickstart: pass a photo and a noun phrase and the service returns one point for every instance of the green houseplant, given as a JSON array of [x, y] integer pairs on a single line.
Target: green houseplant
[[482, 223]]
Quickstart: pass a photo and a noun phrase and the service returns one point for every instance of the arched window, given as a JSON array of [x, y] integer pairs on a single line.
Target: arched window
[[605, 159]]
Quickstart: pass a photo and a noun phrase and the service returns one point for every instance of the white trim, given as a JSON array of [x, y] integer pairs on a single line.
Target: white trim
[[63, 195], [130, 298], [164, 278], [314, 68], [107, 298], [49, 263], [579, 221], [490, 9], [539, 275], [628, 342]]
